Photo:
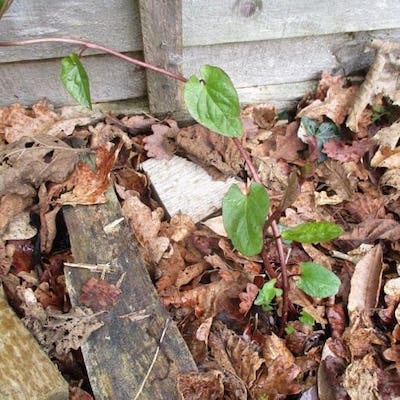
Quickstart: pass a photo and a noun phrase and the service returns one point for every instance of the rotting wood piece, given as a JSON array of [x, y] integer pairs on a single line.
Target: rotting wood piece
[[25, 370], [119, 355]]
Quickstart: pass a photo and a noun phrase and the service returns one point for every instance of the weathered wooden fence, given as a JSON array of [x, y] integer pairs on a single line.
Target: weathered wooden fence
[[274, 50]]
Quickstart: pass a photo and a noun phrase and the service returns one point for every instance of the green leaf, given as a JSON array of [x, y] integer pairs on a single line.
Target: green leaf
[[266, 294], [317, 281], [213, 101], [309, 125], [75, 80], [306, 318], [244, 216], [312, 232], [289, 329]]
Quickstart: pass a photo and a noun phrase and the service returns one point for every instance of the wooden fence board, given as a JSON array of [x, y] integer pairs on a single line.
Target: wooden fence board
[[112, 23], [162, 46], [120, 354], [110, 79], [282, 61], [227, 21]]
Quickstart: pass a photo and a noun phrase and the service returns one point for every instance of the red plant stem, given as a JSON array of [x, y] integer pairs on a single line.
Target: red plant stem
[[245, 155], [95, 46], [275, 231]]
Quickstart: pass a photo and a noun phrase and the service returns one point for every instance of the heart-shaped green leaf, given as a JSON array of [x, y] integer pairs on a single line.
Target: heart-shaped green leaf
[[312, 232], [244, 217], [213, 101], [75, 80], [317, 281]]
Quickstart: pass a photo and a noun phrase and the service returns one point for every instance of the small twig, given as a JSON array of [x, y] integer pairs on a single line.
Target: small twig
[[102, 268], [153, 361]]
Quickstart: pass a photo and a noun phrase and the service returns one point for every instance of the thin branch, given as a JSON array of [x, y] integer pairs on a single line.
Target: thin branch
[[95, 46]]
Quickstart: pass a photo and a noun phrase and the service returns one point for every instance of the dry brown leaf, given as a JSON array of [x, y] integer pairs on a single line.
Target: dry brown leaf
[[145, 225], [263, 115], [158, 145], [102, 135], [386, 158], [280, 376], [236, 355], [201, 386], [361, 379], [365, 287], [179, 227], [216, 153], [337, 150], [189, 273], [382, 78], [86, 186], [17, 121], [99, 295], [337, 103], [11, 205], [373, 229], [388, 136], [247, 298], [19, 228], [29, 162], [389, 185], [362, 206]]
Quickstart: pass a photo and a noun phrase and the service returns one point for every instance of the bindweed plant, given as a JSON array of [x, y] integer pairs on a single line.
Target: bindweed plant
[[212, 101]]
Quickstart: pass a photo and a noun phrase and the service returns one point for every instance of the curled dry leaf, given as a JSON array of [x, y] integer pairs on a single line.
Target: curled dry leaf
[[86, 186], [17, 121], [373, 229], [382, 78], [336, 105], [281, 372], [365, 287], [158, 145], [145, 225], [99, 295], [247, 298], [31, 161], [337, 150], [201, 385]]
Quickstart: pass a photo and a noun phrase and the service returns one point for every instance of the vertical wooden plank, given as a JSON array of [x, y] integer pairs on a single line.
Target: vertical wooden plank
[[161, 22]]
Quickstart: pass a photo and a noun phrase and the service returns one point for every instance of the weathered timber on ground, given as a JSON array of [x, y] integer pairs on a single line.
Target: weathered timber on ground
[[185, 187], [120, 354], [26, 371]]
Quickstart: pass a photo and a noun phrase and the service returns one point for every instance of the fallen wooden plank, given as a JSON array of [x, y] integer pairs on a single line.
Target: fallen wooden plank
[[185, 187], [26, 371], [124, 358]]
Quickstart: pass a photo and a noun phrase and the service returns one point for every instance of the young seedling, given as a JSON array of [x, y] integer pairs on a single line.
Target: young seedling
[[212, 101]]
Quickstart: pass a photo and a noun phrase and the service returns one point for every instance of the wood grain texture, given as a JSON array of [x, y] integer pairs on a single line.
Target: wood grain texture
[[26, 371], [229, 21], [282, 61], [113, 23], [110, 79], [162, 46], [118, 355]]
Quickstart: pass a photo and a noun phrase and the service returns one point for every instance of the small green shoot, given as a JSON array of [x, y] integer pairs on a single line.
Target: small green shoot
[[266, 294], [289, 329], [317, 281], [306, 318], [244, 216], [213, 101], [312, 232], [75, 80]]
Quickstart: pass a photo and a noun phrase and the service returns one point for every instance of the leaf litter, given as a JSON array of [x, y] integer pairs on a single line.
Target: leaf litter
[[350, 350]]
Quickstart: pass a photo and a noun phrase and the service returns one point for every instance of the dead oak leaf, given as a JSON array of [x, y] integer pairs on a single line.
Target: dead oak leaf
[[337, 150], [99, 295], [145, 225], [372, 229], [86, 186], [158, 145], [31, 161], [281, 372], [17, 121], [201, 386], [336, 105]]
